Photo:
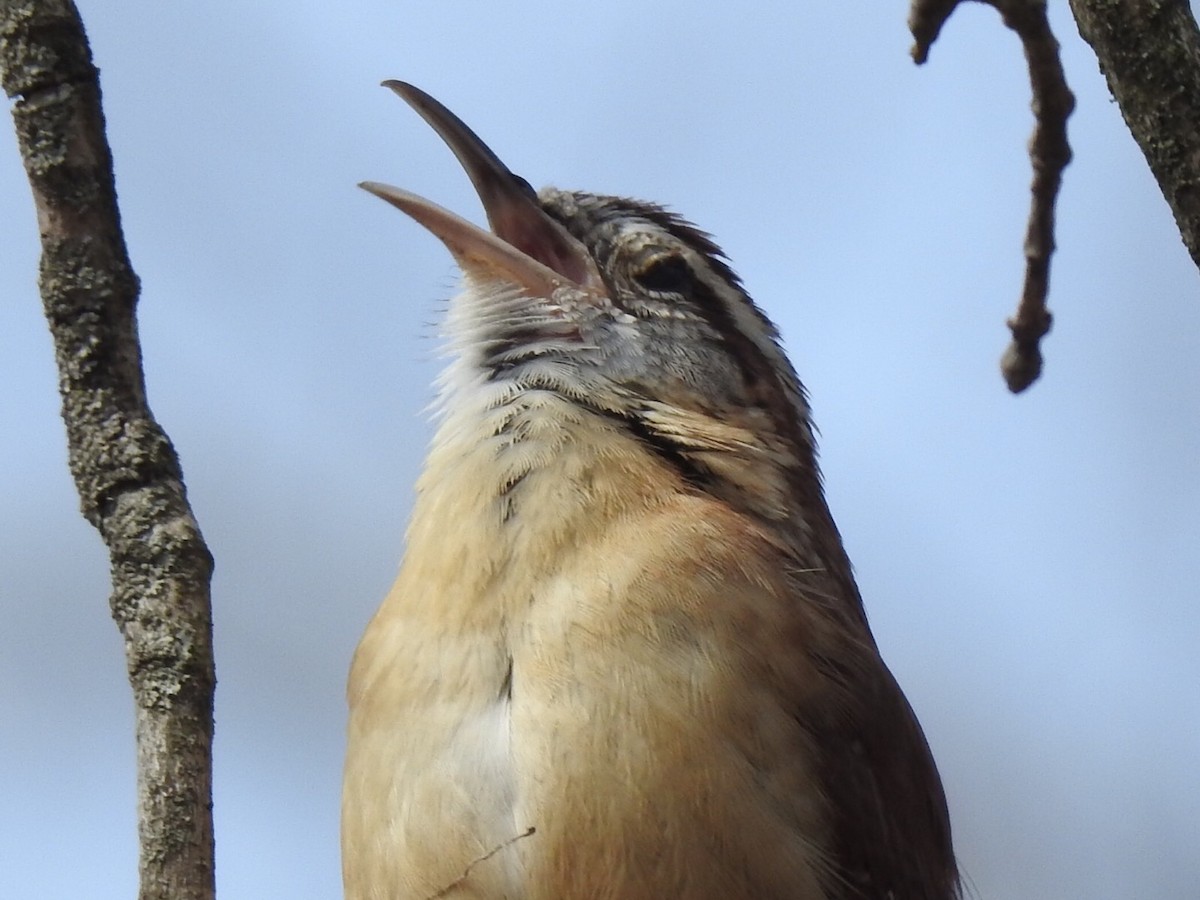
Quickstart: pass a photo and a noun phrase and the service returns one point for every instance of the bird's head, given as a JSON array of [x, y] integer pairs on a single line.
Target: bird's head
[[625, 310]]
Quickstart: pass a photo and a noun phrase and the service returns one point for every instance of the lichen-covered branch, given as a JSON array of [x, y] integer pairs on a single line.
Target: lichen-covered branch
[[1149, 50], [125, 468], [1048, 151]]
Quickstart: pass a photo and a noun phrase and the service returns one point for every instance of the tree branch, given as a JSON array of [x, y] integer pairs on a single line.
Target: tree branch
[[1149, 51], [128, 476], [1049, 152]]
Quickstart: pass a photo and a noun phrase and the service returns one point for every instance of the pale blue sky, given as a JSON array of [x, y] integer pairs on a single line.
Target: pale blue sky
[[1030, 564]]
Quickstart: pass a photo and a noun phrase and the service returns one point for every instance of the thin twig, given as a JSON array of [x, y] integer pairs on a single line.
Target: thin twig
[[457, 882], [1049, 152]]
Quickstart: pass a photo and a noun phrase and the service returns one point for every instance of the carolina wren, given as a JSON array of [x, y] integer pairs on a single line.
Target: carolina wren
[[625, 656]]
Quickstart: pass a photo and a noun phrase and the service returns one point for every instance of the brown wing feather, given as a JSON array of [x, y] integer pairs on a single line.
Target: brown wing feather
[[887, 816]]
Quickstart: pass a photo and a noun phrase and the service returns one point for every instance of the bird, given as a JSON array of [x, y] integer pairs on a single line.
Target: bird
[[625, 656]]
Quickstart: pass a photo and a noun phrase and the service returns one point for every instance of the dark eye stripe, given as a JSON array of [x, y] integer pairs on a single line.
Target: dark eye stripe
[[755, 368]]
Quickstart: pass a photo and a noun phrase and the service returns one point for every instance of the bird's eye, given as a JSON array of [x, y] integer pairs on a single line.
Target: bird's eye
[[666, 273]]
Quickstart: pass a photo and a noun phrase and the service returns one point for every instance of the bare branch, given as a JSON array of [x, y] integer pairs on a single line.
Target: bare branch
[[1149, 51], [125, 469], [1049, 152]]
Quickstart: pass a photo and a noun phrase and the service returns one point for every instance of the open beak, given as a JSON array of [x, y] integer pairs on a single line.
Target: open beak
[[525, 247]]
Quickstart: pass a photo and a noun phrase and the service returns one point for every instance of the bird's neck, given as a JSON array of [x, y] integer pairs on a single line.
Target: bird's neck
[[517, 480]]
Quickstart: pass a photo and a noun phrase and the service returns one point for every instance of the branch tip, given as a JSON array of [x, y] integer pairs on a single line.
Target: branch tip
[[1049, 154], [925, 21]]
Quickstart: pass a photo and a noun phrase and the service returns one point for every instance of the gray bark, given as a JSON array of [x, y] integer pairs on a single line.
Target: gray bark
[[127, 473], [1149, 50]]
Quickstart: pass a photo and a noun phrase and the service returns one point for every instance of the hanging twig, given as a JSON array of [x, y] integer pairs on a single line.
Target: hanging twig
[[1049, 152]]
